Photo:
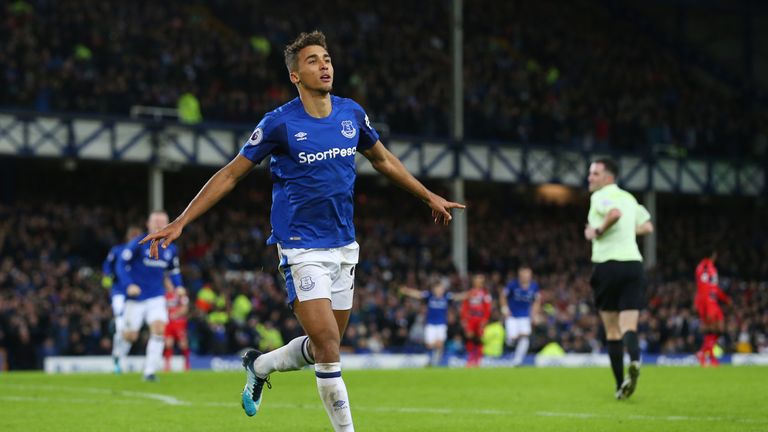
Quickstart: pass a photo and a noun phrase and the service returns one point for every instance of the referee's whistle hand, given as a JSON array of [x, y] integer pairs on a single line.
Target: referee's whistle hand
[[589, 232]]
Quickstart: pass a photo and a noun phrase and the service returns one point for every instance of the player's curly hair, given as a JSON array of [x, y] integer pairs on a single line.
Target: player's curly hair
[[302, 41]]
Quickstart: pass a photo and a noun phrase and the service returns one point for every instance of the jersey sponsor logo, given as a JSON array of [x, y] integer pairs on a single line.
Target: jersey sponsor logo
[[307, 283], [256, 137], [301, 136], [150, 262], [348, 129], [438, 303], [309, 158]]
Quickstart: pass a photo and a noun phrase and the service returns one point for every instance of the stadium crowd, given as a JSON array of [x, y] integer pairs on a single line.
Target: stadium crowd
[[52, 303], [535, 72]]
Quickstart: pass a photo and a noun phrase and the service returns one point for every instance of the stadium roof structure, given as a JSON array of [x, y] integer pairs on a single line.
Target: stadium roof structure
[[166, 144]]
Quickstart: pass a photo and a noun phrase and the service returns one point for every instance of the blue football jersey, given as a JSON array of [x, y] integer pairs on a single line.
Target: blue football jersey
[[519, 299], [437, 307], [313, 171], [108, 269], [135, 266]]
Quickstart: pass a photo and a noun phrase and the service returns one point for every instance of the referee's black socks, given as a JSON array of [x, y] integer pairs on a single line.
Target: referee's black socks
[[633, 348], [616, 354]]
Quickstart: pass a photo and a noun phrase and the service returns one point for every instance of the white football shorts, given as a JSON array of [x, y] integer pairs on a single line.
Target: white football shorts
[[517, 326], [118, 305], [149, 310], [435, 333], [320, 273]]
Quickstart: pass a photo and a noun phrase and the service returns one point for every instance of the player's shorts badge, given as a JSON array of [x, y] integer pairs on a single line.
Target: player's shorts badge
[[348, 129], [307, 283]]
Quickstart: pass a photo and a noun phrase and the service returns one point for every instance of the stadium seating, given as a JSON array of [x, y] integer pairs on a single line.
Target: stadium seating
[[51, 301]]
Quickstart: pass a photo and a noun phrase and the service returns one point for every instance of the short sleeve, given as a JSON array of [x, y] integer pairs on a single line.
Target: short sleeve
[[641, 215], [368, 135], [263, 141], [602, 204]]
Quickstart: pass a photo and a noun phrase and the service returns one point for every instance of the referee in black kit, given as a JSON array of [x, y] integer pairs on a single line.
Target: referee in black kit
[[618, 280]]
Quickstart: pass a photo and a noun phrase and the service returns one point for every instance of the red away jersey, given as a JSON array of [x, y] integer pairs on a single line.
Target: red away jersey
[[176, 304], [477, 305], [707, 288]]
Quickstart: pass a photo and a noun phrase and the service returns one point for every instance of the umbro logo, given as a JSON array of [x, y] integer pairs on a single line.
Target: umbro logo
[[301, 136]]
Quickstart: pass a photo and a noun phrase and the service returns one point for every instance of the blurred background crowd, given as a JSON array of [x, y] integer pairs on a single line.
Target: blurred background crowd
[[535, 72], [53, 243]]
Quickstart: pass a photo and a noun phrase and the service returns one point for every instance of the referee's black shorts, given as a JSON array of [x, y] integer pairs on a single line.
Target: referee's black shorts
[[618, 285]]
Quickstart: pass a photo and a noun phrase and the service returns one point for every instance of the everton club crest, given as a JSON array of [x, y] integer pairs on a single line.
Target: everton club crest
[[348, 129], [307, 283]]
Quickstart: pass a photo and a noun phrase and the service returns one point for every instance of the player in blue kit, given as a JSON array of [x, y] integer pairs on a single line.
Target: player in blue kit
[[520, 301], [311, 143], [144, 281], [110, 281], [436, 330]]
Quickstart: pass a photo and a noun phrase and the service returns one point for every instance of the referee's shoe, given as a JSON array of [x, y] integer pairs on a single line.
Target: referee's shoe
[[630, 382]]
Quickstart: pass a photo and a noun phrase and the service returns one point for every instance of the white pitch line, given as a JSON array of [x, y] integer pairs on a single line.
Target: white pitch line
[[77, 401], [650, 418], [173, 401], [168, 400]]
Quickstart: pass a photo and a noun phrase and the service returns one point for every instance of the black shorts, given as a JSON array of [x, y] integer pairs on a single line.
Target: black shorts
[[618, 285]]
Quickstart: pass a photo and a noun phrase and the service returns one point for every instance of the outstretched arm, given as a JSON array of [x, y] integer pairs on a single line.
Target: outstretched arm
[[217, 187], [460, 297], [388, 164], [411, 292]]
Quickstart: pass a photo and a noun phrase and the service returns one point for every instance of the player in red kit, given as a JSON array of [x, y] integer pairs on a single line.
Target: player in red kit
[[707, 295], [178, 306], [475, 312]]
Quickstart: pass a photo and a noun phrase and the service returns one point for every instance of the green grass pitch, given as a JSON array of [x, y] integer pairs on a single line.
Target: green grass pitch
[[523, 399]]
